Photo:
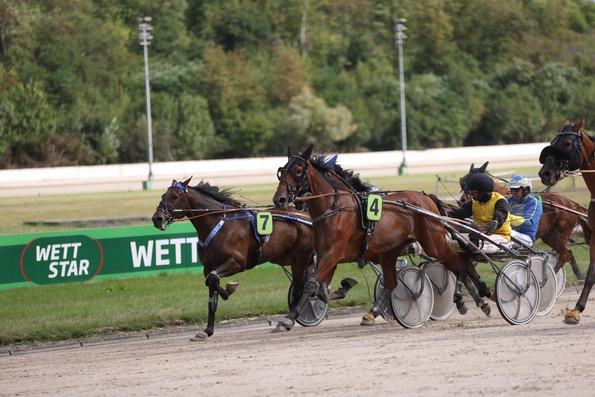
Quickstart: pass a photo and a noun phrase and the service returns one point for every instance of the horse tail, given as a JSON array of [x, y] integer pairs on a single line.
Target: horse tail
[[584, 221], [439, 203]]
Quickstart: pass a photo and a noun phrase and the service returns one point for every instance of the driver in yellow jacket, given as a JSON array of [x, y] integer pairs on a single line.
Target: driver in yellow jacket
[[489, 210]]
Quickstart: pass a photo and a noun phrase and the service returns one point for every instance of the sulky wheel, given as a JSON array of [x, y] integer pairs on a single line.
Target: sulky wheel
[[444, 283], [560, 274], [517, 293], [314, 312], [547, 284], [412, 299]]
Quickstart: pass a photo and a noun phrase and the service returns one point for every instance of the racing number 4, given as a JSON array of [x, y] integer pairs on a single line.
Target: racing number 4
[[374, 210]]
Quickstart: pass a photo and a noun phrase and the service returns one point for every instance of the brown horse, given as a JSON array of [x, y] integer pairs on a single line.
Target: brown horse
[[557, 222], [573, 150], [228, 240], [343, 234]]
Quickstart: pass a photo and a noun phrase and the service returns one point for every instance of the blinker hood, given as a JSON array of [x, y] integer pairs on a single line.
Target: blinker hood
[[554, 152]]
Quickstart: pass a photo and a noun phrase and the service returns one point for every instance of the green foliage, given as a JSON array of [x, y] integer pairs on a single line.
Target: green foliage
[[310, 120], [227, 76]]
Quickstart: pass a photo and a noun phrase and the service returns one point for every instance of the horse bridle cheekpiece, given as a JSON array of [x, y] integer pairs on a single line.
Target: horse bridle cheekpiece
[[564, 160], [301, 180], [167, 208]]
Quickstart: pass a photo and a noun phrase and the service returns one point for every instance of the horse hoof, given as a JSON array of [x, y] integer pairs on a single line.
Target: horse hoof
[[199, 337], [486, 309], [462, 308], [284, 325], [493, 296], [572, 317], [368, 320], [232, 286]]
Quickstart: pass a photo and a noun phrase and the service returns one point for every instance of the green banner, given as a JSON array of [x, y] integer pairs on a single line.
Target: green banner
[[83, 255]]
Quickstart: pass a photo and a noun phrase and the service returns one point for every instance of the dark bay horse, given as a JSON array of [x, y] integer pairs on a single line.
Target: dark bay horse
[[557, 223], [571, 150], [228, 239], [343, 234]]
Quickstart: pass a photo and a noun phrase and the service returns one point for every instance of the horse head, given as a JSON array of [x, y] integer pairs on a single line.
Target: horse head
[[170, 206], [293, 179], [563, 154]]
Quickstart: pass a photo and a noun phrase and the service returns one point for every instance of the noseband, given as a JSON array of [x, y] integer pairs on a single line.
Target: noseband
[[167, 208]]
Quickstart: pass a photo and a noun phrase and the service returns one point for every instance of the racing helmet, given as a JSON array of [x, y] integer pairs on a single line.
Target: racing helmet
[[480, 182], [480, 187], [520, 181]]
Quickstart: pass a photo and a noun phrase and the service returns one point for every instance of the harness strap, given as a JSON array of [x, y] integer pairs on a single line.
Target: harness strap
[[218, 226]]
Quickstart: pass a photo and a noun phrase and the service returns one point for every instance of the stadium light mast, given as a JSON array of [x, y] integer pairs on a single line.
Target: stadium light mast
[[144, 38], [400, 37]]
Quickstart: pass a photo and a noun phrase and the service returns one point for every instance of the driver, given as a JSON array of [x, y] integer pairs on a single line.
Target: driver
[[525, 210], [489, 212]]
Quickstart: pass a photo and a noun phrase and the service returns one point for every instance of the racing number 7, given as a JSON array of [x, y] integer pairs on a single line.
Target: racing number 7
[[264, 223]]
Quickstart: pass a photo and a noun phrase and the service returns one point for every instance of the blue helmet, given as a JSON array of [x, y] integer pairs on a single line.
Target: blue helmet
[[520, 181]]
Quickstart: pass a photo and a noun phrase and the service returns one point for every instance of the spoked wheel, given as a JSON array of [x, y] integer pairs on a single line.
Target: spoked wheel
[[387, 312], [547, 283], [444, 283], [517, 293], [412, 299], [314, 312], [560, 275]]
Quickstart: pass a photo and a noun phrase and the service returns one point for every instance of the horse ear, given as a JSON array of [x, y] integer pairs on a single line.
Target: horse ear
[[173, 182], [306, 154], [187, 181], [483, 168], [472, 167], [289, 151], [578, 126], [566, 122]]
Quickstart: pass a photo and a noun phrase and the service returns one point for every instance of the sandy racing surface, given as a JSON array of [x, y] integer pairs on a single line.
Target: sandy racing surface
[[467, 355]]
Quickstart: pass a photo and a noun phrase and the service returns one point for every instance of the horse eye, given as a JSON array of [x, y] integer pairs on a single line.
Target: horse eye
[[298, 171]]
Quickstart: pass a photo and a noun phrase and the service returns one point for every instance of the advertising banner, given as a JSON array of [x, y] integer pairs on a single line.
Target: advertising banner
[[83, 255]]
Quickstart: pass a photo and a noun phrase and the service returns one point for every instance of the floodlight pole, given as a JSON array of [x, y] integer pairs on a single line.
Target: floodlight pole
[[400, 37], [144, 39]]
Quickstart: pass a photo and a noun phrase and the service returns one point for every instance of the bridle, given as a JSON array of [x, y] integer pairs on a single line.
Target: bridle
[[563, 161], [167, 208], [301, 185]]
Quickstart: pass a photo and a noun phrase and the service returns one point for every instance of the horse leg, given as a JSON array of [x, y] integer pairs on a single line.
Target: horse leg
[[213, 279], [287, 323], [558, 244], [479, 301], [346, 285], [210, 329], [573, 316], [575, 269], [381, 303], [458, 296]]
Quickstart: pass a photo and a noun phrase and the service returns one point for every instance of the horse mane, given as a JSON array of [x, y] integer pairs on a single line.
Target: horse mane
[[325, 162], [222, 195]]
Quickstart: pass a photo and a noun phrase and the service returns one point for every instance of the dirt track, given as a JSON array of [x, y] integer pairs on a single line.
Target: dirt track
[[467, 355]]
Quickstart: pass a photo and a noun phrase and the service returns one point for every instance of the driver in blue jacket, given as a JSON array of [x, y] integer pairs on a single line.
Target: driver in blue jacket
[[525, 210]]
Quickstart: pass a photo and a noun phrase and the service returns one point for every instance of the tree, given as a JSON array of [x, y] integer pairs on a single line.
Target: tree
[[310, 120]]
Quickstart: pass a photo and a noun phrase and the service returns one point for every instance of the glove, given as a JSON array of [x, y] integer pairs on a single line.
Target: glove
[[490, 227], [475, 225], [516, 220]]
